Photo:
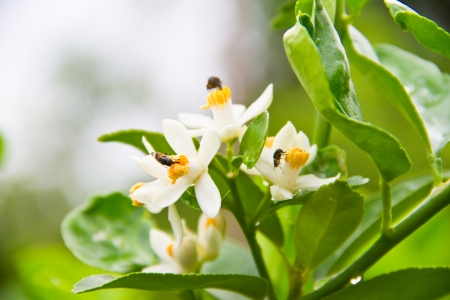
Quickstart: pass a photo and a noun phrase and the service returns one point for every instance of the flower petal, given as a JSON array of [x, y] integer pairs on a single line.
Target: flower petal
[[146, 193], [238, 110], [160, 241], [257, 107], [312, 154], [178, 138], [208, 195], [312, 182], [279, 193], [209, 145], [153, 209], [302, 141], [229, 132], [151, 166], [175, 222], [284, 138], [265, 165], [162, 268], [197, 132], [196, 121], [171, 193], [147, 145]]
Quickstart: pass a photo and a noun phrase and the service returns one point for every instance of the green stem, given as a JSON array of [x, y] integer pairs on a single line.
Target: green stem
[[249, 231], [322, 132], [262, 207], [439, 199], [387, 206], [341, 20]]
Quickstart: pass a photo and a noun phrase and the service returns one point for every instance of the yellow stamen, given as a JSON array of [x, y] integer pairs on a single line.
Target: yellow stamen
[[217, 97], [178, 168], [170, 250], [296, 157], [269, 142], [211, 221], [132, 190]]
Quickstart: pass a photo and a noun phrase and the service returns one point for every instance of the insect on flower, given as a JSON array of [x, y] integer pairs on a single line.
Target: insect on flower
[[214, 83], [277, 156], [163, 159]]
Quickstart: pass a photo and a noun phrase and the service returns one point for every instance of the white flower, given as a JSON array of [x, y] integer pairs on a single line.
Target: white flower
[[174, 259], [210, 235], [228, 118], [297, 153]]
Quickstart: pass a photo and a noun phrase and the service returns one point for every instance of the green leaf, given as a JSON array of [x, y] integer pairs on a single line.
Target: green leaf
[[426, 32], [109, 233], [237, 162], [409, 284], [285, 16], [189, 198], [406, 196], [385, 150], [272, 229], [307, 6], [251, 286], [357, 5], [357, 181], [327, 219], [133, 137], [250, 194], [254, 139], [2, 146], [329, 162], [428, 88]]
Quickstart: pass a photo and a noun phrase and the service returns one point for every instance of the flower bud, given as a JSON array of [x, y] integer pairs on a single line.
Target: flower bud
[[211, 232]]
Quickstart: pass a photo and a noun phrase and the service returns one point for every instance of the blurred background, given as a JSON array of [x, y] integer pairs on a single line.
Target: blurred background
[[71, 71]]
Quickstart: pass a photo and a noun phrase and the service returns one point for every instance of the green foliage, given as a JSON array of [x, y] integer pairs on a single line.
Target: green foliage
[[329, 162], [254, 139], [285, 17], [272, 229], [427, 32], [133, 137], [250, 286], [189, 198], [409, 284], [327, 219], [385, 150], [428, 88], [357, 5], [109, 233]]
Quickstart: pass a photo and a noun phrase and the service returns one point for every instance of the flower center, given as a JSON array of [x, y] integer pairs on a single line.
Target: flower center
[[169, 250], [178, 168], [217, 97], [296, 158], [132, 190], [211, 221], [269, 142]]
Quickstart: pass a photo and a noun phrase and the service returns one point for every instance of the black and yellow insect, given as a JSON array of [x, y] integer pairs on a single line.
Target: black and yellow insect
[[277, 156], [214, 83]]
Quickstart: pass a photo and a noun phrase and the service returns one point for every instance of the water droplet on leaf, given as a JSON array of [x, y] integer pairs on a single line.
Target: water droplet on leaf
[[355, 280]]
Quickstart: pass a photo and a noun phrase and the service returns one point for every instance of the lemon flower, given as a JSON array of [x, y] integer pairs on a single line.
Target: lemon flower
[[297, 153], [228, 118]]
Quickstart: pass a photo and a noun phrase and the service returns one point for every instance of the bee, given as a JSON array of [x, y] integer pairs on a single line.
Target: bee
[[214, 83], [163, 159], [277, 156]]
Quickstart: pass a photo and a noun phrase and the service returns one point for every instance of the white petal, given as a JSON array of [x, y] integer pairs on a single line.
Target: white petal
[[209, 145], [238, 110], [147, 145], [178, 138], [312, 182], [146, 193], [242, 131], [153, 209], [208, 195], [159, 241], [229, 132], [279, 193], [302, 141], [265, 165], [196, 132], [257, 107], [196, 121], [312, 154], [175, 222], [171, 193], [284, 138], [162, 268], [151, 166]]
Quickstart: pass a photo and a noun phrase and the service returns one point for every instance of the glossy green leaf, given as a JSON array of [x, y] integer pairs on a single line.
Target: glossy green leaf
[[329, 162], [237, 162], [250, 194], [285, 17], [189, 198], [366, 59], [327, 219], [254, 138], [426, 32], [409, 284], [385, 150], [108, 233], [251, 286], [357, 181], [406, 196], [357, 5], [272, 229], [428, 88], [307, 7], [133, 137]]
